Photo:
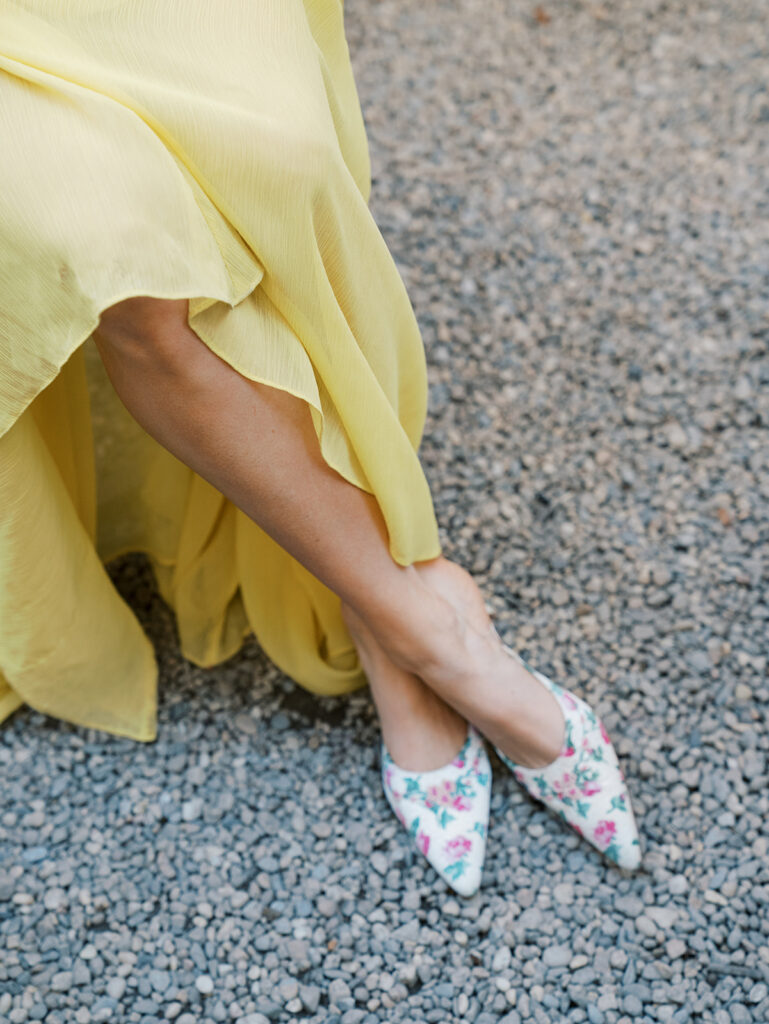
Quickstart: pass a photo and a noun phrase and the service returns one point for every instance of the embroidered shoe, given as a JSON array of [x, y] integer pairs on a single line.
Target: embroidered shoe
[[446, 811], [584, 785]]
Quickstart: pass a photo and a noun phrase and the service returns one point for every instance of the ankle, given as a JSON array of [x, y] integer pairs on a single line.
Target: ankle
[[425, 639]]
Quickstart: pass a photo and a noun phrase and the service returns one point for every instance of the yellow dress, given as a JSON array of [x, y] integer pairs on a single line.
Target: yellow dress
[[215, 152]]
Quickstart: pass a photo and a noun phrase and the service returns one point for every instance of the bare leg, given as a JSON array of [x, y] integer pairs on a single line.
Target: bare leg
[[258, 446]]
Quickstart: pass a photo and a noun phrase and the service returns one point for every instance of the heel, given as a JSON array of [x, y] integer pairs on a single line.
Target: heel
[[446, 811]]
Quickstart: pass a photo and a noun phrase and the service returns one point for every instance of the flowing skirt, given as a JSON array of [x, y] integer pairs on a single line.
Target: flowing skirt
[[185, 149]]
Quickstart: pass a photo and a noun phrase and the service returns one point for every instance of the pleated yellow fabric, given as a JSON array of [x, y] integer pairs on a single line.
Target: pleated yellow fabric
[[185, 149]]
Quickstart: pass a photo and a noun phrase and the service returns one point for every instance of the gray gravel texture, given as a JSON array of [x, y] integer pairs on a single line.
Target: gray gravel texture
[[578, 199]]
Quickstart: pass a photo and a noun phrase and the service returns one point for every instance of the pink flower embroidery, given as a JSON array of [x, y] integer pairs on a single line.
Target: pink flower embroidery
[[565, 787], [442, 794], [458, 847], [569, 752], [569, 700], [604, 832], [460, 804], [423, 842], [389, 777], [604, 734], [589, 789], [458, 762]]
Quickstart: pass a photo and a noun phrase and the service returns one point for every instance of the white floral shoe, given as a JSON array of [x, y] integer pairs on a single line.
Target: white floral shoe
[[446, 811], [584, 785]]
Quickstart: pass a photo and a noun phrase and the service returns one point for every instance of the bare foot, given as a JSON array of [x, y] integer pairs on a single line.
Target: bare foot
[[420, 730], [532, 735]]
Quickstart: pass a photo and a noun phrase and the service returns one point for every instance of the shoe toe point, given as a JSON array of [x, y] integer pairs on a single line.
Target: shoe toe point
[[466, 886]]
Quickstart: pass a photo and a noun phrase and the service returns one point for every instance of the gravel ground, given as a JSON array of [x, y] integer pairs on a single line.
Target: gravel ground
[[577, 199]]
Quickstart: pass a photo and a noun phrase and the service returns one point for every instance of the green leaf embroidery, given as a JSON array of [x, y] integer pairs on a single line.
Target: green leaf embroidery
[[456, 869]]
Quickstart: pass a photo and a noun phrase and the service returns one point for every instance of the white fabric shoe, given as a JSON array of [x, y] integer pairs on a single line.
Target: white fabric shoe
[[446, 811], [584, 785]]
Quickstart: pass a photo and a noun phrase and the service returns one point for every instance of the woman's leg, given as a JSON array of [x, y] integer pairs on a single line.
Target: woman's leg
[[257, 445]]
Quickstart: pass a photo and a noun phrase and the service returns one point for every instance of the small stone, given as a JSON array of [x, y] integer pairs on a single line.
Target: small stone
[[502, 960], [204, 983], [326, 906], [192, 809], [246, 723], [556, 956], [379, 863], [563, 893], [338, 990], [412, 900], [632, 1005], [116, 988], [80, 973], [675, 948], [54, 899], [159, 980], [310, 996], [145, 1006], [729, 888], [663, 917], [646, 926], [289, 989], [630, 905], [618, 959], [715, 897], [607, 1001], [298, 950]]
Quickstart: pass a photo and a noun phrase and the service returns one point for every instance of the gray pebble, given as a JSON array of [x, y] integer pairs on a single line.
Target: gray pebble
[[61, 981], [582, 230], [116, 987], [556, 956]]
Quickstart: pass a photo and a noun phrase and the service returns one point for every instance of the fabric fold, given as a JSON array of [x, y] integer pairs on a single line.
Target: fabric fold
[[229, 167]]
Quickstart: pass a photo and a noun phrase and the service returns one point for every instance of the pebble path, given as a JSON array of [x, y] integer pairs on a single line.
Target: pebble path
[[577, 196]]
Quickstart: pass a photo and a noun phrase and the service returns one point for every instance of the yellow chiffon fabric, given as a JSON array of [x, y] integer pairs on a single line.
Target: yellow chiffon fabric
[[214, 152]]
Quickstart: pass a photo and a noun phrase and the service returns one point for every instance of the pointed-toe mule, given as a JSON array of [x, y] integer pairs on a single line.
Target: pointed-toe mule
[[446, 811], [584, 785]]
